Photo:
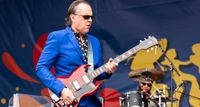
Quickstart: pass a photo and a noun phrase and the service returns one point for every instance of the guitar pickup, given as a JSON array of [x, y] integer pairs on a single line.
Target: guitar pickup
[[86, 79], [76, 85]]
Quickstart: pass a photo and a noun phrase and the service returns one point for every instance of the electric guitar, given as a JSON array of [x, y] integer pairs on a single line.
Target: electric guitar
[[81, 83]]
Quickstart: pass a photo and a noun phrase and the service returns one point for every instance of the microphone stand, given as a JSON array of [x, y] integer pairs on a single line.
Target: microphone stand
[[160, 93], [172, 68]]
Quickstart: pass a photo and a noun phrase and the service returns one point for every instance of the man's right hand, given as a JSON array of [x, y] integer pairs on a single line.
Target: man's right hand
[[67, 96]]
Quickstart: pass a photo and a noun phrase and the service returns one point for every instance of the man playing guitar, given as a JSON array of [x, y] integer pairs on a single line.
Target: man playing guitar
[[69, 48]]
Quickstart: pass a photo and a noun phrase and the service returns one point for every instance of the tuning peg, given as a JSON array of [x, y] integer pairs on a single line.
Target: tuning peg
[[145, 38], [149, 36], [140, 41]]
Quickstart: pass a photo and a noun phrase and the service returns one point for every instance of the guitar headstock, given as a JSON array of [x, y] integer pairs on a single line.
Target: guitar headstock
[[146, 43]]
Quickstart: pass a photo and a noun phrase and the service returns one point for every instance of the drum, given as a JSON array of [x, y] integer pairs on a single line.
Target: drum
[[131, 99]]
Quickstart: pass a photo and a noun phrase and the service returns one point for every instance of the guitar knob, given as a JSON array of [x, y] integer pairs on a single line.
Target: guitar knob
[[147, 50]]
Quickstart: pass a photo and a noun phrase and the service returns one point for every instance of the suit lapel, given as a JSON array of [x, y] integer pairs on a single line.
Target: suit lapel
[[75, 43]]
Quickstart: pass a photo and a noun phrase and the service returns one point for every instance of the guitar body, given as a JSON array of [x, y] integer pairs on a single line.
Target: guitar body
[[79, 82]]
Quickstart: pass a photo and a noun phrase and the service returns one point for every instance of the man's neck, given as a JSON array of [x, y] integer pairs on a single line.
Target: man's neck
[[77, 32]]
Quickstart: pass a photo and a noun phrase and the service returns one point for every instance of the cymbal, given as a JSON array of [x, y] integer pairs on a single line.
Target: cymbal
[[139, 74]]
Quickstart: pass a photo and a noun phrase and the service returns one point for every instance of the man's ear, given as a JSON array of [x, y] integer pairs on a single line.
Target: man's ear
[[72, 16]]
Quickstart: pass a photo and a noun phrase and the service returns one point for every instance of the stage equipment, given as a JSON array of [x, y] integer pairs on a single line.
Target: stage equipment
[[131, 99]]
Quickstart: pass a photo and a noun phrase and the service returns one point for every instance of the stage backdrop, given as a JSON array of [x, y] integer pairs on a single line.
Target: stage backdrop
[[119, 24]]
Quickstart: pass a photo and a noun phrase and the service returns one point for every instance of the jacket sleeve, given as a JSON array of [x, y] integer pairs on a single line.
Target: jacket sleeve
[[45, 63]]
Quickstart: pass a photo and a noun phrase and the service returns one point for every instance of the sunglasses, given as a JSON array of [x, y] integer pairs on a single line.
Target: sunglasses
[[148, 84], [86, 17]]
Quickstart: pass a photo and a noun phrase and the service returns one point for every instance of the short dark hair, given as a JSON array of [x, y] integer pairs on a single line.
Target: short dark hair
[[72, 9]]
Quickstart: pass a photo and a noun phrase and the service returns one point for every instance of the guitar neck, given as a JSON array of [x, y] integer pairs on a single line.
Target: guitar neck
[[118, 59]]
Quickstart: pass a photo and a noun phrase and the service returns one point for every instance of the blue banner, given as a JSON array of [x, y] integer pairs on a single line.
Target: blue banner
[[120, 25]]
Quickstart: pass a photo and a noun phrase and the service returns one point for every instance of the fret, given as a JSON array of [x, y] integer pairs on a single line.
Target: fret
[[94, 74], [104, 68], [136, 48], [98, 72], [126, 54], [117, 59], [91, 74], [133, 50], [101, 69], [129, 52], [122, 56]]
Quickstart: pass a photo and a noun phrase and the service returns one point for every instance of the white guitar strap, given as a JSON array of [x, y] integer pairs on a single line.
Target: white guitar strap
[[90, 57]]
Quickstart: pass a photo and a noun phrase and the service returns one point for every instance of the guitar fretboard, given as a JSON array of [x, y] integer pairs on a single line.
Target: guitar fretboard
[[118, 59]]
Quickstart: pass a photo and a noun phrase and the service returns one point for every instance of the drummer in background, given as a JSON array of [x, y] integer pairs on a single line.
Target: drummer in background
[[145, 86], [146, 77]]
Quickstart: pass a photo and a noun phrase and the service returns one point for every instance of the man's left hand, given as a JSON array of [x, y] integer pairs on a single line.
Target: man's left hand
[[111, 66]]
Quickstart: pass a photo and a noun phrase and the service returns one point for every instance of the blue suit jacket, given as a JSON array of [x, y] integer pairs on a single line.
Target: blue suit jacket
[[63, 52]]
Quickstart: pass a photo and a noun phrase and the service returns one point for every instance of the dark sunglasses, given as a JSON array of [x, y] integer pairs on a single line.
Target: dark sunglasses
[[86, 17], [148, 84]]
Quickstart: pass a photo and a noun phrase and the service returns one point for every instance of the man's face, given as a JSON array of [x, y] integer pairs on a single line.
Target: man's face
[[146, 86], [82, 18]]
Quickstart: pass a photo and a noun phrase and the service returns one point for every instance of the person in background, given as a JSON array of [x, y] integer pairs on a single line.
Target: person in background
[[144, 88], [145, 85]]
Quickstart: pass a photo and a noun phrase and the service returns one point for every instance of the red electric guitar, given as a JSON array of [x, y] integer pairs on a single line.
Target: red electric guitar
[[81, 83]]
